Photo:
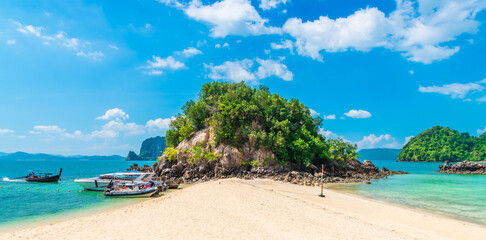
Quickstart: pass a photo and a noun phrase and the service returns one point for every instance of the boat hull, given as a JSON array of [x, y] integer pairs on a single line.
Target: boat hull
[[132, 194], [44, 179]]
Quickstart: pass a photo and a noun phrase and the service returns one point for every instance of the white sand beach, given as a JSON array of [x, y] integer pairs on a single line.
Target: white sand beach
[[255, 209]]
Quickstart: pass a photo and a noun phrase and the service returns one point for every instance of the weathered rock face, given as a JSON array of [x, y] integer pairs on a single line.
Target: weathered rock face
[[233, 162], [464, 167]]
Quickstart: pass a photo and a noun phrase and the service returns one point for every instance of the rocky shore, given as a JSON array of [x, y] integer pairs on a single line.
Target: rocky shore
[[190, 159], [464, 167]]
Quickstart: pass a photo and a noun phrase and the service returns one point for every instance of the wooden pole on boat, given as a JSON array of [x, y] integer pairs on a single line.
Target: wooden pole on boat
[[322, 182]]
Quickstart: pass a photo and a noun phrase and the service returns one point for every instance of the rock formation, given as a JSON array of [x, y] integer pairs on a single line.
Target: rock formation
[[151, 149], [199, 158], [464, 167]]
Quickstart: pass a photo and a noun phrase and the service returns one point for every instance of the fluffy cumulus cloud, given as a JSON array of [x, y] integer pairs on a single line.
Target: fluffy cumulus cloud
[[158, 64], [327, 133], [456, 90], [158, 124], [330, 117], [10, 42], [115, 126], [373, 141], [360, 31], [227, 17], [6, 131], [79, 47], [285, 44], [243, 70], [358, 114], [189, 52], [114, 114], [422, 31], [269, 4]]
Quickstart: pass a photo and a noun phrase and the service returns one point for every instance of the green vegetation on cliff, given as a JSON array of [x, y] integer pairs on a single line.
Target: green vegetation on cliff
[[442, 143], [151, 149], [240, 114]]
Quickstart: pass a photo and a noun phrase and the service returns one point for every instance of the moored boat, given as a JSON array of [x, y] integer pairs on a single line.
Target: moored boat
[[43, 177], [101, 182], [131, 190]]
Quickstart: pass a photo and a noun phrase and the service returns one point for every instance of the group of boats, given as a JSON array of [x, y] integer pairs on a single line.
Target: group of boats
[[118, 184]]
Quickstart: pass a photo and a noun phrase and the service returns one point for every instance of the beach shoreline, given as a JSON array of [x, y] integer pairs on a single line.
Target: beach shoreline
[[260, 208]]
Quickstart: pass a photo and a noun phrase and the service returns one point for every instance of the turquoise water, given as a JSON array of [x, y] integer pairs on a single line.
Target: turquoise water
[[19, 204], [458, 196]]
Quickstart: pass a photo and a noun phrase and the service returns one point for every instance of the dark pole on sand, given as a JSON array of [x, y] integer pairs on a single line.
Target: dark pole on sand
[[322, 182]]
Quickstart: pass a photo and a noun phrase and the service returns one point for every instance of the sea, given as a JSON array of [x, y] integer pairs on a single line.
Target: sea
[[23, 204]]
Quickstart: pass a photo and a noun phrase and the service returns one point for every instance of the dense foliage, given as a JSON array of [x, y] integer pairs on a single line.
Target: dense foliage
[[240, 114], [440, 144]]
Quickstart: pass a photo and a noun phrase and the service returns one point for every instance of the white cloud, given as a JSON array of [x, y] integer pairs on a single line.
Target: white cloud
[[455, 90], [94, 55], [158, 124], [154, 72], [330, 117], [419, 30], [313, 112], [327, 133], [373, 141], [242, 70], [113, 47], [270, 68], [358, 114], [53, 130], [81, 48], [224, 45], [10, 42], [172, 3], [189, 52], [269, 4], [481, 99], [360, 31], [230, 17], [5, 131], [235, 71], [165, 63], [114, 113], [30, 29], [114, 127], [286, 44], [407, 139], [481, 131]]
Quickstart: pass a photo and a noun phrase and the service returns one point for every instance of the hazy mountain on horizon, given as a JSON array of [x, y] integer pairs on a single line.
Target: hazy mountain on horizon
[[38, 156]]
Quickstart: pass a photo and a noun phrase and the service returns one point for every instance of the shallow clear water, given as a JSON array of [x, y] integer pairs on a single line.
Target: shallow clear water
[[458, 196], [21, 201]]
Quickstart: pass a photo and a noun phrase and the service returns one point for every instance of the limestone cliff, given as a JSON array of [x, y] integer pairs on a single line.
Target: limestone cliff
[[151, 149]]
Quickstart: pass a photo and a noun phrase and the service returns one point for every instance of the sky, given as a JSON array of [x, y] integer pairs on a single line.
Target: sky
[[99, 77]]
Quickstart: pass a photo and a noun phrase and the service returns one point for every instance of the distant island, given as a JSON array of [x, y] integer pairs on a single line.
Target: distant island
[[151, 149], [439, 144], [43, 156], [379, 154]]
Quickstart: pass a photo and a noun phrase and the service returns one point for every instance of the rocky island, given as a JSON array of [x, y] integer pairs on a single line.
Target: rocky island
[[439, 144], [464, 167], [151, 149], [234, 130]]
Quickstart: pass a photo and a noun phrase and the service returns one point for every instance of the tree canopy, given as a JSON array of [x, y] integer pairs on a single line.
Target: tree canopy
[[442, 143], [241, 114]]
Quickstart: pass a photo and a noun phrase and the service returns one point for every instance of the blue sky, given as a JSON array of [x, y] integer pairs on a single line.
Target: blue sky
[[98, 77]]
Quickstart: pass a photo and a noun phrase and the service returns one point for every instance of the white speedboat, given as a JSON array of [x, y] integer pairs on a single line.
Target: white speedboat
[[101, 182]]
